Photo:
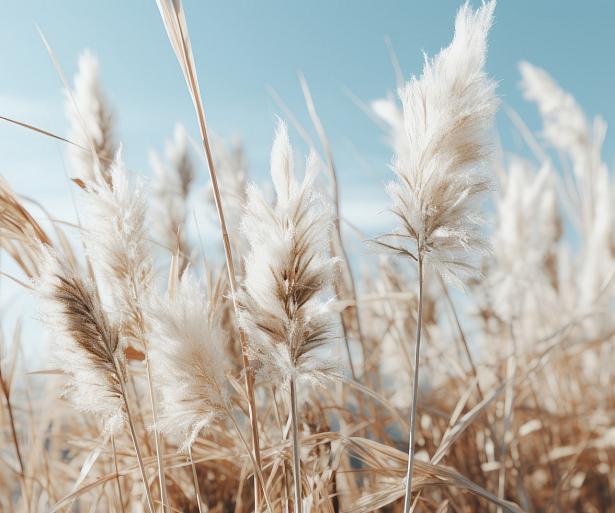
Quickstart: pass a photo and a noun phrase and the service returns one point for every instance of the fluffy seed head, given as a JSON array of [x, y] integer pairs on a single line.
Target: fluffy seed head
[[188, 360], [86, 343], [171, 188], [447, 112], [116, 240], [287, 271], [525, 239], [91, 123]]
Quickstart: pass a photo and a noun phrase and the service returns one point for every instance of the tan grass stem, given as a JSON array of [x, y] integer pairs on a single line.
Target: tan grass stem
[[157, 442], [135, 442], [22, 471], [296, 446], [197, 490], [341, 249], [415, 390], [174, 21], [258, 475], [117, 474]]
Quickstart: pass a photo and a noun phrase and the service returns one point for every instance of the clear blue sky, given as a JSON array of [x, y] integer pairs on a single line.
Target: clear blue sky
[[241, 47]]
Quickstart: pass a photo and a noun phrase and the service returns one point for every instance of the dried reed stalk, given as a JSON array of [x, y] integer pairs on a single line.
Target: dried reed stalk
[[415, 392], [172, 14]]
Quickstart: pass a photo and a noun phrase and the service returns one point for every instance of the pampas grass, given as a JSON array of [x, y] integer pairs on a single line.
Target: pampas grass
[[177, 380], [282, 313], [188, 361], [446, 114], [171, 187], [91, 122], [88, 349]]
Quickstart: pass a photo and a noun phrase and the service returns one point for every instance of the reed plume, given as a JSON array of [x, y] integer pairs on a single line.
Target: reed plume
[[21, 235], [579, 142], [87, 344], [116, 240], [287, 272], [171, 189], [446, 113], [565, 125], [232, 168], [89, 349], [524, 273], [188, 361], [117, 243], [91, 123]]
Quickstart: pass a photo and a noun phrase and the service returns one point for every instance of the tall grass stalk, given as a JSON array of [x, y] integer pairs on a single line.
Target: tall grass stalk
[[173, 17], [296, 446], [157, 440], [337, 240], [4, 385], [195, 479], [258, 475], [120, 496], [135, 441], [415, 391]]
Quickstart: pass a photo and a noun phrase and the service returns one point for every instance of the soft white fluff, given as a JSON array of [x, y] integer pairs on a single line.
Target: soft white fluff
[[389, 112], [85, 342], [566, 128], [565, 124], [447, 112], [91, 122], [171, 188], [188, 361], [116, 241], [525, 241], [287, 271], [231, 168]]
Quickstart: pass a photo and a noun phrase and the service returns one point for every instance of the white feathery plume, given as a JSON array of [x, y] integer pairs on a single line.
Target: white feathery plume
[[86, 343], [170, 191], [89, 349], [525, 241], [91, 122], [388, 110], [565, 125], [188, 361], [447, 112], [116, 239], [566, 128], [230, 161], [287, 271]]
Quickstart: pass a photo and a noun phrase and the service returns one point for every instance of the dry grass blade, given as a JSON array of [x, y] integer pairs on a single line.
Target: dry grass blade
[[455, 431], [391, 462], [20, 234]]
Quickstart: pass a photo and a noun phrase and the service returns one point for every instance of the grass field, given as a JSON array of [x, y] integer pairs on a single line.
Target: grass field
[[465, 367]]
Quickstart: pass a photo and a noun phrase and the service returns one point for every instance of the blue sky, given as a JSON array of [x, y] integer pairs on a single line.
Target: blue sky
[[243, 47]]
